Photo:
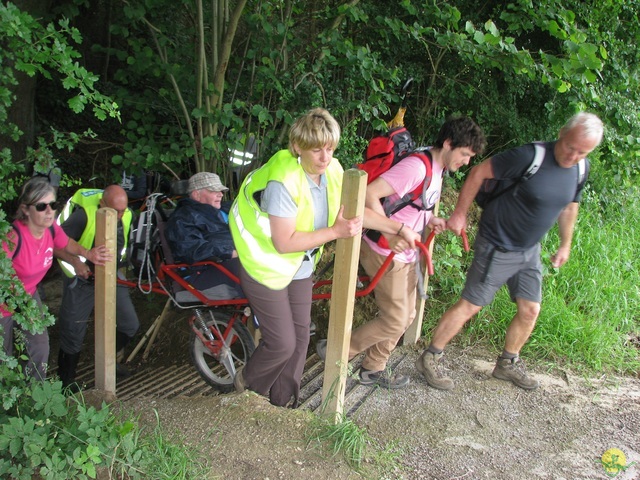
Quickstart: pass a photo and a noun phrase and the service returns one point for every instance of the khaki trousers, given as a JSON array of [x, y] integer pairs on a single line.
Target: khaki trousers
[[395, 297]]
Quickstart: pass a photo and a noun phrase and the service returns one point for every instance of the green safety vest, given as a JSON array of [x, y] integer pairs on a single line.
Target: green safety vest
[[89, 200], [250, 225]]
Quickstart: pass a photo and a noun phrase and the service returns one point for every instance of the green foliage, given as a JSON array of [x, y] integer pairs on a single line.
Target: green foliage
[[351, 146], [46, 159], [44, 433], [34, 48]]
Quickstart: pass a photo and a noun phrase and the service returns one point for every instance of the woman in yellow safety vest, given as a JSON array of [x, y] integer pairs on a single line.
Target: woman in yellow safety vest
[[284, 213]]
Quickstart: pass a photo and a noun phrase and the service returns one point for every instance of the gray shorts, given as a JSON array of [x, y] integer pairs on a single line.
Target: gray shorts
[[493, 267]]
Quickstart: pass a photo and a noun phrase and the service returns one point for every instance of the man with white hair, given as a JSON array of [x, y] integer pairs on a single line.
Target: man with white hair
[[198, 230], [507, 247]]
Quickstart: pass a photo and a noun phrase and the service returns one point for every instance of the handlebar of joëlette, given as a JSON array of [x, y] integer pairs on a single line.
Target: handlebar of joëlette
[[424, 248]]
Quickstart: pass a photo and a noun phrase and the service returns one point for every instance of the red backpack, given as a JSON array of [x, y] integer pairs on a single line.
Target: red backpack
[[382, 153]]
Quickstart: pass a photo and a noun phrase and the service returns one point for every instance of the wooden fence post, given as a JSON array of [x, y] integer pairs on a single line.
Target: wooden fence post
[[343, 292], [105, 303]]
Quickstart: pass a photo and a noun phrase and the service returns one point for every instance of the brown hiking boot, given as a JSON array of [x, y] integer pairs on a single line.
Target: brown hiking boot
[[427, 365], [514, 371]]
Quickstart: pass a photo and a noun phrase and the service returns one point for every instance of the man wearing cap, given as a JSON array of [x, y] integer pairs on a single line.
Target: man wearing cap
[[198, 230]]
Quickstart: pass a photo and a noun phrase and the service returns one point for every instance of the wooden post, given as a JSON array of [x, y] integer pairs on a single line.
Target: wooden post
[[343, 293], [105, 303], [414, 332]]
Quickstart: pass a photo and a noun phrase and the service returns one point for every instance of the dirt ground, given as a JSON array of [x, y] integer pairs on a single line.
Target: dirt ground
[[483, 429]]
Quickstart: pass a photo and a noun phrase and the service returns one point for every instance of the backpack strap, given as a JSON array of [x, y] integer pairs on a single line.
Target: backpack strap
[[19, 239], [537, 160], [583, 172], [18, 242], [407, 199], [411, 197]]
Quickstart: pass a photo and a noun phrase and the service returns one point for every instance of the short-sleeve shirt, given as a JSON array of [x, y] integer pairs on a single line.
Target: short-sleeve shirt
[[519, 218], [35, 256], [277, 201], [404, 177]]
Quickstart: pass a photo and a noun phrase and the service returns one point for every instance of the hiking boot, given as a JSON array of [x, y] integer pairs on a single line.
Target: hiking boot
[[321, 349], [238, 381], [383, 379], [514, 371], [122, 372], [428, 365], [120, 355]]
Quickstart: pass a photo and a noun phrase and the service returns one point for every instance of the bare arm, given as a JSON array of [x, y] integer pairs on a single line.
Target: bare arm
[[566, 225], [73, 251], [481, 172], [287, 239]]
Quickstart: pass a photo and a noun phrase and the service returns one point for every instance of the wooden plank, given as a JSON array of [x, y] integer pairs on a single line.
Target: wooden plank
[[158, 323], [343, 291], [105, 303]]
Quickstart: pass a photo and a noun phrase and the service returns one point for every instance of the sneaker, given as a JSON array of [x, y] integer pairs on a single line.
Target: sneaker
[[321, 349], [514, 371], [428, 364], [382, 379], [238, 381]]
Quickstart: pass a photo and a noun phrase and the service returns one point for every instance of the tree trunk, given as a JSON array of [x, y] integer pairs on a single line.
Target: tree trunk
[[22, 111]]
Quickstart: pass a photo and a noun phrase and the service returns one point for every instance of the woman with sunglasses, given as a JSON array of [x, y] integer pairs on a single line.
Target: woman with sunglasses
[[30, 247]]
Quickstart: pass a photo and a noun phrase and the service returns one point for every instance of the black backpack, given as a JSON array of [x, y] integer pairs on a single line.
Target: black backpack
[[493, 188]]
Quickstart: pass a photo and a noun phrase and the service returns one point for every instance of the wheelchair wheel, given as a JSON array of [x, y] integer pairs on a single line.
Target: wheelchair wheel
[[219, 344]]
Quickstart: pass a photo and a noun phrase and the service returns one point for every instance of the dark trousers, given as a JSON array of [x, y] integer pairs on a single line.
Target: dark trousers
[[78, 300], [36, 345], [275, 368]]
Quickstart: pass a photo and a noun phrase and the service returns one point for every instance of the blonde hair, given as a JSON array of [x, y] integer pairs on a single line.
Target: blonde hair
[[315, 129]]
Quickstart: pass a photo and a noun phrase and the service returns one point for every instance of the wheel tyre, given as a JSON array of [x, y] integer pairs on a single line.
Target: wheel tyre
[[242, 347]]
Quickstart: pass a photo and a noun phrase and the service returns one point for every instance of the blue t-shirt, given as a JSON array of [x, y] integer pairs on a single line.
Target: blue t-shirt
[[519, 218]]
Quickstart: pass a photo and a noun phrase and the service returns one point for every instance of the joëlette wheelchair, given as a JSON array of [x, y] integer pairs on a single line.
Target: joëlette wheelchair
[[220, 339]]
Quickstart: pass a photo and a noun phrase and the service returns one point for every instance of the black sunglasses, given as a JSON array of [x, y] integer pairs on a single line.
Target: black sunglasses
[[41, 207]]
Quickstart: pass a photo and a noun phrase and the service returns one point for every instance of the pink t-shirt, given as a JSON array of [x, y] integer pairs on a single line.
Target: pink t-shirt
[[35, 256], [404, 177]]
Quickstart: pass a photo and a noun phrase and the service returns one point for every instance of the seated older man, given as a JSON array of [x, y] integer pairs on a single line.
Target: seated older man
[[198, 230]]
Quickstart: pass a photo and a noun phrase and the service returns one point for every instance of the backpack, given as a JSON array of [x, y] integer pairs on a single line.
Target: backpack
[[385, 151], [492, 188]]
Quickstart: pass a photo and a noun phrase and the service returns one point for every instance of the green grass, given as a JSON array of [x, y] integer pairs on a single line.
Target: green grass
[[589, 318], [361, 451], [343, 437]]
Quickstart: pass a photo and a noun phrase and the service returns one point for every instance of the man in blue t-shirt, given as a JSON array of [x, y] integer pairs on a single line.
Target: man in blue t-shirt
[[507, 248]]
